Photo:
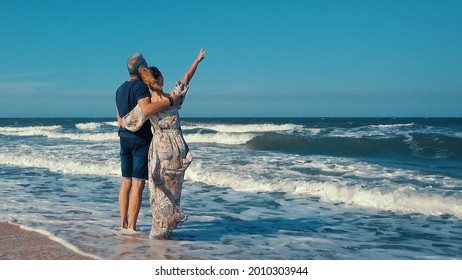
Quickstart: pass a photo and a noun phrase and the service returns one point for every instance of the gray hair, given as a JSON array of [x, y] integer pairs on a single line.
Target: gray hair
[[135, 62]]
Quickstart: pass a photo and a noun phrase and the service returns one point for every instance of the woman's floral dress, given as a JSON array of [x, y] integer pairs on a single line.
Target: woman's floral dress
[[169, 157]]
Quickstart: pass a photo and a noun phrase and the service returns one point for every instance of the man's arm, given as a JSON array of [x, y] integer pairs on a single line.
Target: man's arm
[[119, 119], [190, 73]]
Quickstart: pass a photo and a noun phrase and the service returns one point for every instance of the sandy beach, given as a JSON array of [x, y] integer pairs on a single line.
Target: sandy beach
[[20, 244]]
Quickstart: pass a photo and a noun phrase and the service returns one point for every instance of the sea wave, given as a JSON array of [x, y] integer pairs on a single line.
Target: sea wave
[[54, 132], [62, 164], [401, 199], [404, 199], [219, 138], [389, 131], [89, 126], [28, 130], [385, 126], [244, 128], [112, 123], [365, 132], [416, 145]]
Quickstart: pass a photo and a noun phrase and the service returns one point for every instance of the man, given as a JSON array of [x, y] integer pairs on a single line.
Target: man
[[134, 146]]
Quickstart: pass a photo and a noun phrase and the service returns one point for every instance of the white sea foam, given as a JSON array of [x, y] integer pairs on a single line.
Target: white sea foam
[[112, 123], [445, 132], [314, 131], [53, 132], [244, 128], [235, 134], [59, 240], [349, 168], [404, 199], [392, 125], [219, 138], [89, 126], [413, 146], [29, 130], [103, 136], [385, 130], [397, 198], [62, 164], [355, 133], [391, 131]]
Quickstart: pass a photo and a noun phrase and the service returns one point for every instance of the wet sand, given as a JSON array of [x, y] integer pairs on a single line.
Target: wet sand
[[20, 244]]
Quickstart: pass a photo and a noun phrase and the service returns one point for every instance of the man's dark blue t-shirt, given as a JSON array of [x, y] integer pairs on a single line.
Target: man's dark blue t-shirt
[[127, 97]]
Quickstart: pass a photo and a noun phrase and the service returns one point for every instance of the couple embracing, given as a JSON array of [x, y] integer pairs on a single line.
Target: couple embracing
[[159, 155]]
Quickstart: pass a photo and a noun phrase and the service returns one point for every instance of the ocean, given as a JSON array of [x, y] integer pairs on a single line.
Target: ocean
[[258, 188]]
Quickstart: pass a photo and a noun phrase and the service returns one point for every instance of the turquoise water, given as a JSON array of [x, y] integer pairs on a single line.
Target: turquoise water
[[304, 188]]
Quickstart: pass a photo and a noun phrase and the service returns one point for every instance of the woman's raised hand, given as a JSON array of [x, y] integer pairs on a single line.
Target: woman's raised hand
[[201, 55], [190, 73]]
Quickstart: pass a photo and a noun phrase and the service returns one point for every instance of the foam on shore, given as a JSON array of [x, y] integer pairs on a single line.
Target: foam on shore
[[8, 228]]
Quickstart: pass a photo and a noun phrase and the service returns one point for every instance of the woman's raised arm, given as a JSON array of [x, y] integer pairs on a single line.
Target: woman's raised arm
[[190, 73]]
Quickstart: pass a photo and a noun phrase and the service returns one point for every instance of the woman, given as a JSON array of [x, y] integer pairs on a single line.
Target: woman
[[169, 155]]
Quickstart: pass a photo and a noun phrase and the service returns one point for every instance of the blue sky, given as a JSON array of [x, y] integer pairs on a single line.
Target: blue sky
[[265, 58]]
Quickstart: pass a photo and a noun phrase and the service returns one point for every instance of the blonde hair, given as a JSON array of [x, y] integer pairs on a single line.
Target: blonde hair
[[149, 79]]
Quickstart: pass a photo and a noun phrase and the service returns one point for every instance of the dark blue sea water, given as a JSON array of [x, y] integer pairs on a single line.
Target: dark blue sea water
[[265, 188]]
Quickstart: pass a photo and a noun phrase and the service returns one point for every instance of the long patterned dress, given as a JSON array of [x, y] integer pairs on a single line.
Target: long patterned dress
[[169, 157]]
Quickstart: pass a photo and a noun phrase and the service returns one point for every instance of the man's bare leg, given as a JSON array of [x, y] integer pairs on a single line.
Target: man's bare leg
[[134, 205], [124, 194]]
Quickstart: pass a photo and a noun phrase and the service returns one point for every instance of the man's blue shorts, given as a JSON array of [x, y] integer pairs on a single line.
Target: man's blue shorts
[[134, 157]]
